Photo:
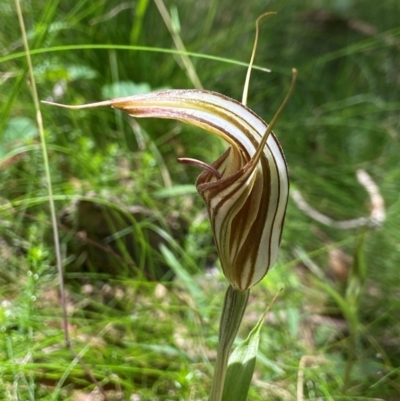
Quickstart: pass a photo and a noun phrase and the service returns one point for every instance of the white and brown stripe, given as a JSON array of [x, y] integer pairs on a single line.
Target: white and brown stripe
[[247, 204], [247, 198]]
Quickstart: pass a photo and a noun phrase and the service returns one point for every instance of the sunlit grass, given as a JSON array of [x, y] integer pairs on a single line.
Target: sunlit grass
[[139, 337]]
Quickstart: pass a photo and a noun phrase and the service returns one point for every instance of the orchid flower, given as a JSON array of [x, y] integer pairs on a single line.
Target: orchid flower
[[245, 190], [246, 193]]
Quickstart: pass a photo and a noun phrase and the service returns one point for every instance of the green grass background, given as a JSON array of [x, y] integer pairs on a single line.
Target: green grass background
[[154, 341]]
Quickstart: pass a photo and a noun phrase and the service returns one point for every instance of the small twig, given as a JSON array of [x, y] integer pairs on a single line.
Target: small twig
[[300, 378], [305, 360], [374, 220], [88, 371], [378, 214]]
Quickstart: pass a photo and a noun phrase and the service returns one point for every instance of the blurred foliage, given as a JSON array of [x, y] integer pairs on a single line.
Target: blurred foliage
[[336, 322]]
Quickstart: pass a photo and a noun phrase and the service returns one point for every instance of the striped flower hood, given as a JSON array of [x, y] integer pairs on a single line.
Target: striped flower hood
[[245, 190]]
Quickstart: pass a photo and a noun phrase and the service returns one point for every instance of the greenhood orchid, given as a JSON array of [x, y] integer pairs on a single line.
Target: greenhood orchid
[[245, 190]]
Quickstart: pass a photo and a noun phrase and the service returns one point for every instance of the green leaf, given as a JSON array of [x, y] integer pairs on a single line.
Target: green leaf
[[185, 277], [242, 363], [19, 128], [241, 366], [176, 190], [84, 72], [18, 131], [124, 88]]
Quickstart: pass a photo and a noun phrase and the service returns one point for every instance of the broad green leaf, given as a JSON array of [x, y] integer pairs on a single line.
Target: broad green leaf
[[241, 365], [124, 88], [53, 70], [18, 131]]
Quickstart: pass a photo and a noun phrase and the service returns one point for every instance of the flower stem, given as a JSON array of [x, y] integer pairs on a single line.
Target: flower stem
[[232, 313]]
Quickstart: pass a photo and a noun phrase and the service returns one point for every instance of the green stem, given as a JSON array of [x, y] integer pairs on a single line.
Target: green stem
[[351, 359], [232, 313], [46, 163]]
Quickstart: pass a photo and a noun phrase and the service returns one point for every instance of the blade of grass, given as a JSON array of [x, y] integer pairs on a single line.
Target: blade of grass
[[210, 17], [45, 161], [140, 11], [53, 216], [190, 70], [226, 60]]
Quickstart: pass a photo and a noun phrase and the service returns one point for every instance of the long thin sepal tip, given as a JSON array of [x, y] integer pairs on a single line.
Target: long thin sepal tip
[[79, 106]]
